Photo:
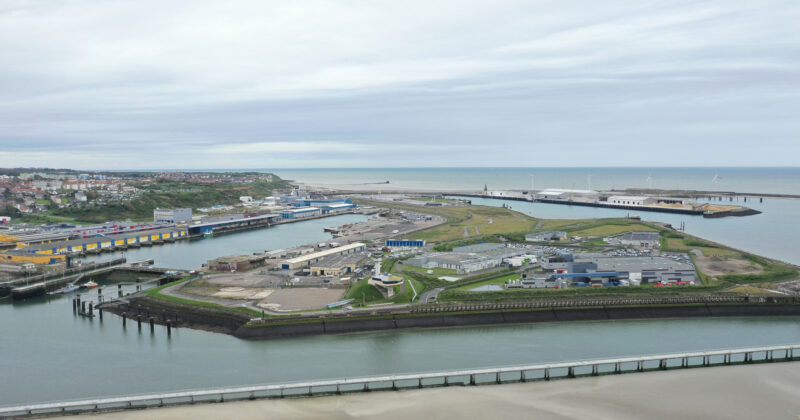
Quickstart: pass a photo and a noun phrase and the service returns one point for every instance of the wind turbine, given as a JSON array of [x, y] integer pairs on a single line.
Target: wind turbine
[[650, 182], [715, 180], [589, 181]]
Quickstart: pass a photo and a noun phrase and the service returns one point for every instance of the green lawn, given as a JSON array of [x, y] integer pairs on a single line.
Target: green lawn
[[363, 292], [497, 281], [436, 271], [488, 220], [156, 293]]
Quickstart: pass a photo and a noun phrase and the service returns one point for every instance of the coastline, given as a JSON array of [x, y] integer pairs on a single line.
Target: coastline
[[240, 325], [736, 392]]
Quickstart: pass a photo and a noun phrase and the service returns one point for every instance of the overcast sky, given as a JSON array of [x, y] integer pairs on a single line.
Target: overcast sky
[[268, 84]]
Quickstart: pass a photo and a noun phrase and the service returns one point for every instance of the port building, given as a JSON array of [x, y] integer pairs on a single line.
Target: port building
[[305, 261], [406, 243], [646, 239], [546, 236], [183, 215], [467, 259], [211, 226], [337, 265], [300, 213], [564, 194], [631, 200]]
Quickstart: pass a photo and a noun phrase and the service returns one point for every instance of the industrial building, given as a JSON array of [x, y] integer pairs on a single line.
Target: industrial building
[[214, 225], [305, 261], [564, 194], [106, 243], [405, 243], [172, 215], [645, 239], [467, 259], [336, 207], [546, 236], [236, 262], [631, 200], [337, 265], [600, 268], [538, 281], [300, 213]]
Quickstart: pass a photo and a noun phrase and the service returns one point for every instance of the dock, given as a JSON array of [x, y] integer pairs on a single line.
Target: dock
[[36, 286]]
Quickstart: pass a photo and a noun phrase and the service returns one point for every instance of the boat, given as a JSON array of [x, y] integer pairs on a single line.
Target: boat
[[90, 285], [69, 288]]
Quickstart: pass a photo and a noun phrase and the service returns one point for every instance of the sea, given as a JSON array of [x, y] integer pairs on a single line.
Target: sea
[[774, 233], [778, 180]]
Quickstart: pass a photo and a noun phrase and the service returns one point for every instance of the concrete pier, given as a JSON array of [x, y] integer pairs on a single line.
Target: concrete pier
[[503, 375]]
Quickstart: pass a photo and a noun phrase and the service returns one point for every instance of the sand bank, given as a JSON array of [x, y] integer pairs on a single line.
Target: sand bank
[[767, 391]]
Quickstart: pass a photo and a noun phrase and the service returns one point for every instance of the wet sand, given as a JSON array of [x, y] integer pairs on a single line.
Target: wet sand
[[765, 391]]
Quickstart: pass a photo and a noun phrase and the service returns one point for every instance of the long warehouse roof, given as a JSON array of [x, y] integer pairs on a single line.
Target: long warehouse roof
[[326, 252]]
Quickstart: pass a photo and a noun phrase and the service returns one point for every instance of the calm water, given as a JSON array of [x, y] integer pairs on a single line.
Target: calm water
[[753, 180], [49, 354], [773, 233], [191, 254]]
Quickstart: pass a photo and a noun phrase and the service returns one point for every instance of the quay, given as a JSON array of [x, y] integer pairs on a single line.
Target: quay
[[237, 224], [655, 209], [39, 285], [470, 377]]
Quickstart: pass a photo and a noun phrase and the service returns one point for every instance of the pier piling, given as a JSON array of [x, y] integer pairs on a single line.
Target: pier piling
[[123, 319], [169, 328], [152, 326], [83, 307], [139, 322], [74, 305], [91, 308], [100, 312], [119, 289]]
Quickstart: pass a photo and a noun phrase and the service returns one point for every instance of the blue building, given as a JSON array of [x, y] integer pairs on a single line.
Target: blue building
[[412, 243], [300, 213]]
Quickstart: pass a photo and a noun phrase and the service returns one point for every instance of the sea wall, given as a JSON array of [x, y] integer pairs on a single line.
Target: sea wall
[[276, 329]]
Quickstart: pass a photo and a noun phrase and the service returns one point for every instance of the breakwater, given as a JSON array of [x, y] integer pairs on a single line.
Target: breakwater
[[600, 204], [249, 326], [277, 329]]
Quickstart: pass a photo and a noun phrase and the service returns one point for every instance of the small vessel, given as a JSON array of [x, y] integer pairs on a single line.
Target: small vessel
[[90, 284], [69, 288]]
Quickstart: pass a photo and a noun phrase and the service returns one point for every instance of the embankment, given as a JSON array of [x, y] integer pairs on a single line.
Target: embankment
[[290, 328], [240, 324], [181, 315]]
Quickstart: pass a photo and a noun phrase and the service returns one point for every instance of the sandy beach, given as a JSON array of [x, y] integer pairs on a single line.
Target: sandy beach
[[764, 391]]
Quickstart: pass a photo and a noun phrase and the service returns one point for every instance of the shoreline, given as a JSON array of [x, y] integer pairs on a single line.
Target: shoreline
[[240, 324], [739, 392]]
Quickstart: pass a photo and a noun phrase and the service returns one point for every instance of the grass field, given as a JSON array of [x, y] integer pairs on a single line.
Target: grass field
[[472, 220], [156, 293], [499, 281], [436, 271]]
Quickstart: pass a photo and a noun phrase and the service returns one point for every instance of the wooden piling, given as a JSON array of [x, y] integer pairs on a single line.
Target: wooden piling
[[152, 326]]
